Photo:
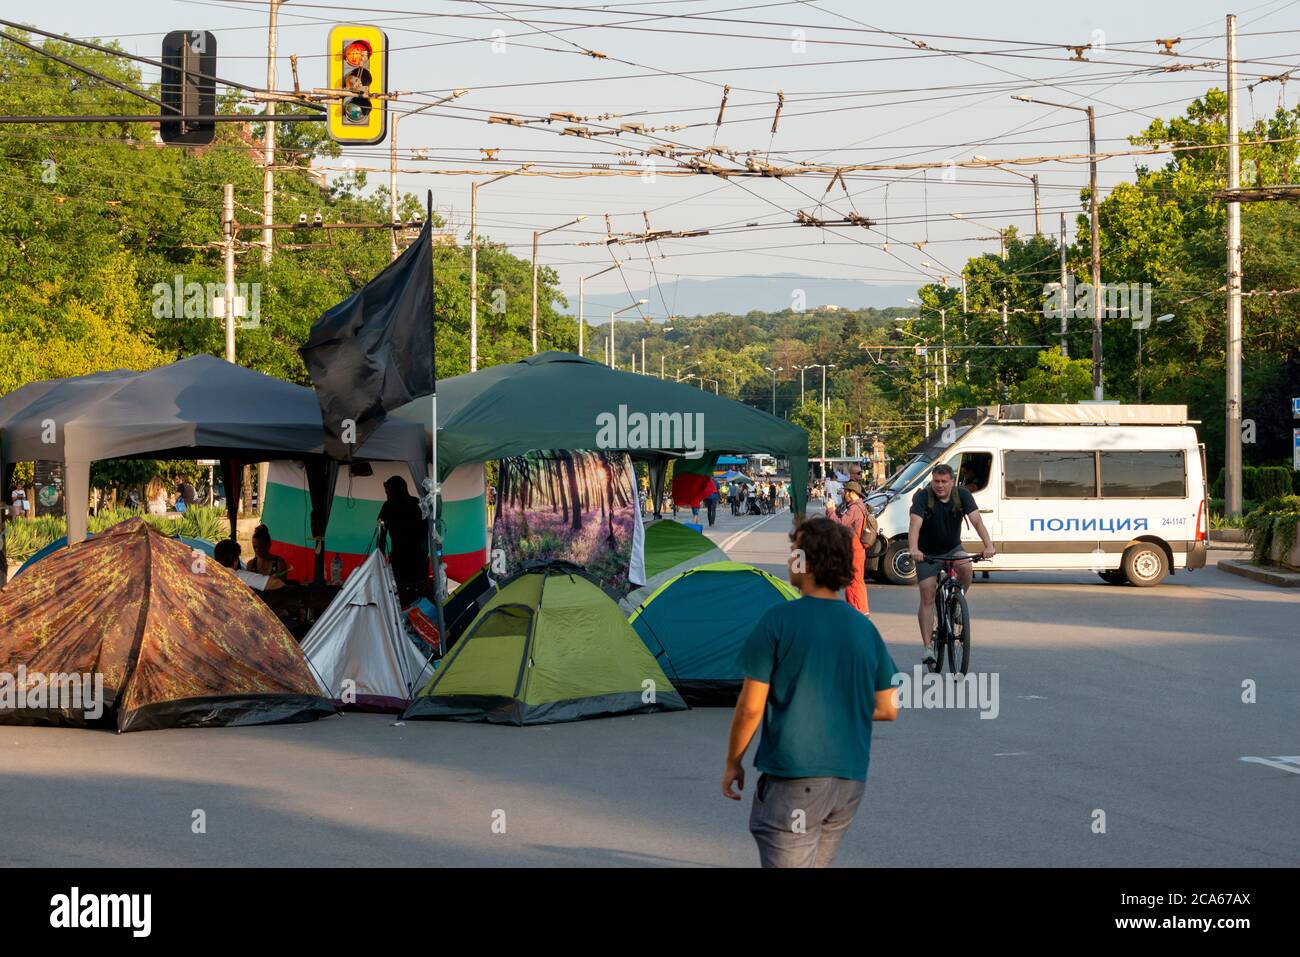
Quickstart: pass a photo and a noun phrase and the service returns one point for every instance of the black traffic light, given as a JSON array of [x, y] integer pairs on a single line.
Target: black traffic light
[[188, 87]]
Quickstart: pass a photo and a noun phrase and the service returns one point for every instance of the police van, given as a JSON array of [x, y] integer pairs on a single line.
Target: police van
[[1115, 489]]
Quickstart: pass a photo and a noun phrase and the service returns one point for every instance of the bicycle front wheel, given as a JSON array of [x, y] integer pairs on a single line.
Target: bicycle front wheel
[[958, 634]]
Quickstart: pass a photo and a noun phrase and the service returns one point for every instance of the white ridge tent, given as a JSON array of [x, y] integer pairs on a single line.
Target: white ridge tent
[[360, 638]]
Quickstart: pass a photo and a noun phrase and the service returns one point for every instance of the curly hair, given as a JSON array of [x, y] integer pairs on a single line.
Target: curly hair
[[827, 548]]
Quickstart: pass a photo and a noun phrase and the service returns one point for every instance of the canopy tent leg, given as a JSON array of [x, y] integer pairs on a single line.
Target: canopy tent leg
[[435, 540], [232, 477], [657, 470], [322, 478], [6, 481], [76, 499]]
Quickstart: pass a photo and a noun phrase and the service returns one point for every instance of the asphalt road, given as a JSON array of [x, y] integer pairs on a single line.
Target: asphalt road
[[1120, 700]]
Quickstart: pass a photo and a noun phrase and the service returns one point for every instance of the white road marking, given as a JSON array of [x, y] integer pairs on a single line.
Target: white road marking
[[1280, 762], [729, 543], [1009, 754]]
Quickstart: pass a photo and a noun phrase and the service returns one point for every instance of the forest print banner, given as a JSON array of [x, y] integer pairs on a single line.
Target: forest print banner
[[576, 506]]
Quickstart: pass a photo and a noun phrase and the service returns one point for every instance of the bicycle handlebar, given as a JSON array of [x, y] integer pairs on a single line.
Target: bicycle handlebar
[[954, 558]]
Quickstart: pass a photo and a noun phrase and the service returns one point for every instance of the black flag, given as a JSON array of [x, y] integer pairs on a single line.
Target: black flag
[[373, 352]]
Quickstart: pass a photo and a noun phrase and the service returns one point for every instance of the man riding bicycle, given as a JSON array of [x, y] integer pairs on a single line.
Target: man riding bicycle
[[934, 530]]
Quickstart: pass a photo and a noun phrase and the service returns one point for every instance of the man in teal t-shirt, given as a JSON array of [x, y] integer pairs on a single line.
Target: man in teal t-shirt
[[816, 675]]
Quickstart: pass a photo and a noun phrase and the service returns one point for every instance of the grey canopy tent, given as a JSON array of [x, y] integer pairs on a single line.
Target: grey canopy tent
[[200, 407], [558, 400]]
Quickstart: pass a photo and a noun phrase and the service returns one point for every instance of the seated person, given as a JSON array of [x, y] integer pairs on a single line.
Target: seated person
[[263, 562], [227, 555]]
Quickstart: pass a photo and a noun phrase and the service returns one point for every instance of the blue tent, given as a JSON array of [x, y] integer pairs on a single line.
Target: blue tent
[[61, 542], [696, 624]]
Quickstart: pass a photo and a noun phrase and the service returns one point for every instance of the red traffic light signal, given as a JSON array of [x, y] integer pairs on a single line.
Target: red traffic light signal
[[357, 53]]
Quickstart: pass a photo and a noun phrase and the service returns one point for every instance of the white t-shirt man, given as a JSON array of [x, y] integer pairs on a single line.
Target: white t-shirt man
[[834, 491]]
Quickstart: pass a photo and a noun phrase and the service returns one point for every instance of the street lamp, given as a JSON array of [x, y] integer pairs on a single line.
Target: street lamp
[[663, 354], [582, 282], [636, 305], [1097, 392], [801, 369], [774, 372], [1033, 178], [703, 380], [1002, 238], [823, 367], [392, 162], [537, 234], [473, 262]]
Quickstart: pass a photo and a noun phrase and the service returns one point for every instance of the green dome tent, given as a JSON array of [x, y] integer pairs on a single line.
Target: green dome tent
[[696, 624], [670, 549], [549, 646]]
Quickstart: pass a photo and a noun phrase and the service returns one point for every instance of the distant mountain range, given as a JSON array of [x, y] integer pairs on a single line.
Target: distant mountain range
[[742, 294]]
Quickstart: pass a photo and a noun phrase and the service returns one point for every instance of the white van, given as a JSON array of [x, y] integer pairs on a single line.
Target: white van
[[1115, 489]]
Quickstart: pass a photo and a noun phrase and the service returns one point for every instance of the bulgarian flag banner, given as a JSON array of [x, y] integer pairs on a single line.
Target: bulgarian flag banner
[[357, 500], [693, 480]]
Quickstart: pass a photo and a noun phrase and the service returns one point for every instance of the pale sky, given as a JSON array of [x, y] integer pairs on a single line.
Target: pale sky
[[853, 94]]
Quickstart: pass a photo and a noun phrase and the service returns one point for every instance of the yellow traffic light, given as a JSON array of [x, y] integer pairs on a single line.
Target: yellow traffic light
[[358, 64]]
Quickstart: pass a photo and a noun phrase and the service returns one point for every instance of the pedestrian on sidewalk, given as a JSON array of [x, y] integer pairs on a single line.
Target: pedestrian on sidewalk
[[854, 515], [816, 675], [711, 505]]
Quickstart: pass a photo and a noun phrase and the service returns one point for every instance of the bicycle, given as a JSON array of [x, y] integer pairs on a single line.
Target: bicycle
[[952, 617]]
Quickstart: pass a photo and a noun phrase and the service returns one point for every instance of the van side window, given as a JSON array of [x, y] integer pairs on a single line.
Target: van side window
[[1143, 474], [973, 469], [1050, 474]]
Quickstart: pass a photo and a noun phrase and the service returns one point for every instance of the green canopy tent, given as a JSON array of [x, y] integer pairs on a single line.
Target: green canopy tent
[[558, 400]]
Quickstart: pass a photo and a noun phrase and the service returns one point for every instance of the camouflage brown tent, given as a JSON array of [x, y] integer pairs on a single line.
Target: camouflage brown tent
[[171, 638]]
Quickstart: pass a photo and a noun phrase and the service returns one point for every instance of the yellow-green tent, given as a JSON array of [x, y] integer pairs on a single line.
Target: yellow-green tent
[[549, 646]]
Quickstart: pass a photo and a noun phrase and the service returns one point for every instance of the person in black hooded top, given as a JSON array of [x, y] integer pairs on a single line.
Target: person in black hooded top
[[408, 530]]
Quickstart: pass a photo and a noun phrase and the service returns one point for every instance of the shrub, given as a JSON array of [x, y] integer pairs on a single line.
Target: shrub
[[199, 521], [25, 538], [1272, 481], [1274, 521]]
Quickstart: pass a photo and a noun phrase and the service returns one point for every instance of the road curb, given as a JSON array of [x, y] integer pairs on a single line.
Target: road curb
[[1269, 576]]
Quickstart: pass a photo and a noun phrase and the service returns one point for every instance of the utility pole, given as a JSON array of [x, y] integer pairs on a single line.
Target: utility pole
[[268, 142], [643, 355], [823, 417], [228, 227], [1232, 454], [943, 326], [1038, 224], [1097, 389], [926, 375], [473, 277], [1065, 307]]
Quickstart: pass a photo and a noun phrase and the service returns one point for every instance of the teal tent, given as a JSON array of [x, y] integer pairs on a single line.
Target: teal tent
[[696, 624], [558, 400], [670, 549]]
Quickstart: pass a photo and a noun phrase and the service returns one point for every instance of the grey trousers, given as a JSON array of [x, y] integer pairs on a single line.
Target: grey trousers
[[798, 822]]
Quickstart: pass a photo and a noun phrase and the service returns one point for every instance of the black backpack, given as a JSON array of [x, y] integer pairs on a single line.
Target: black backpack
[[954, 503]]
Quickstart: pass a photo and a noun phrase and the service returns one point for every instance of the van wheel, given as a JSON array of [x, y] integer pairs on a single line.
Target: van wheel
[[1145, 565], [897, 566], [1115, 576]]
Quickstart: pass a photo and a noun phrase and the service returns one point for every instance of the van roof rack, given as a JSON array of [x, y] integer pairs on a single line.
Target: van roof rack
[[1087, 413]]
